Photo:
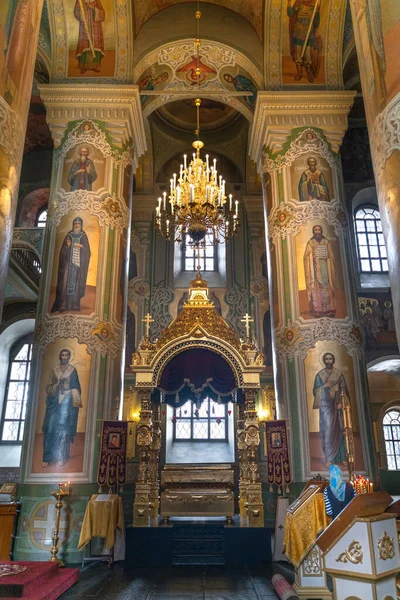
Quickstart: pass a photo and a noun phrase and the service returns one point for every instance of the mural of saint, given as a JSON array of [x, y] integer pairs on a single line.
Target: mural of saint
[[82, 172], [150, 82], [63, 401], [312, 184], [242, 83], [329, 384], [320, 275], [90, 49], [72, 269], [305, 42]]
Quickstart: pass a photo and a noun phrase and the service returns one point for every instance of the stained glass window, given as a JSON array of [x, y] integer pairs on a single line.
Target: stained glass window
[[16, 396], [391, 432], [209, 422], [207, 255], [370, 243]]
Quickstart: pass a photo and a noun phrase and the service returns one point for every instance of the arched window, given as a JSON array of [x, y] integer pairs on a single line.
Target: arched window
[[370, 243], [208, 255], [209, 422], [41, 218], [391, 433], [16, 393]]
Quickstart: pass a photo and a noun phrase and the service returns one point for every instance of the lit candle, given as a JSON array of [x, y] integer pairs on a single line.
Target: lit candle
[[194, 156], [174, 180], [230, 202], [172, 207], [220, 181], [207, 163], [215, 164], [158, 210], [167, 226], [165, 199], [184, 161], [180, 173], [236, 204]]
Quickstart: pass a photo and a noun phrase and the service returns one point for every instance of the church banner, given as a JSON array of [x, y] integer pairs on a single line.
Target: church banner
[[112, 461], [279, 472]]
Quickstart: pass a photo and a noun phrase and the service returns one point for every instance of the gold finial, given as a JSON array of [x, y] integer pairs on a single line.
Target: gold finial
[[198, 14]]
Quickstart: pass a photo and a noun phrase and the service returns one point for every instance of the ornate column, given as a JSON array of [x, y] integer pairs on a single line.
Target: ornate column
[[376, 26], [243, 465], [20, 30], [317, 343], [77, 375], [143, 488], [255, 506], [155, 448]]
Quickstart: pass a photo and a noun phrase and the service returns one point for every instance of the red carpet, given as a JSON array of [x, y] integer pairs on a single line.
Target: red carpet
[[43, 581]]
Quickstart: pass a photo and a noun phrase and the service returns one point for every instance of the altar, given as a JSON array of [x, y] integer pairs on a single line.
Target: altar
[[197, 377]]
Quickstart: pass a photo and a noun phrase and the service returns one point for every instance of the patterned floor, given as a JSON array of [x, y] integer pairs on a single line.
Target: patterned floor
[[175, 583]]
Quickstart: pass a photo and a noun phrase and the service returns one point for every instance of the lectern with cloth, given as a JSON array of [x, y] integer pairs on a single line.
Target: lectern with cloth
[[305, 519], [360, 550], [104, 518]]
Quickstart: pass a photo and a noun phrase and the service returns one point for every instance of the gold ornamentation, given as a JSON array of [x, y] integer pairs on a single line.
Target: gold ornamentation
[[311, 564], [386, 547], [354, 554]]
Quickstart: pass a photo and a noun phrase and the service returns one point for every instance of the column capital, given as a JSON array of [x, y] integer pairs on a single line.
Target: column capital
[[278, 113], [117, 106]]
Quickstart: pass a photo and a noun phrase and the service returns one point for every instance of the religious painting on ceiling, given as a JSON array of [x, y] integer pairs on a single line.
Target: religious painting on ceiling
[[18, 24], [73, 282], [84, 169], [61, 413], [388, 54], [320, 275], [172, 68], [91, 38], [330, 393], [304, 26]]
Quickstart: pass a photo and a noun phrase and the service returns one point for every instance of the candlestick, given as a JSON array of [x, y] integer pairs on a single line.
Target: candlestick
[[230, 202], [165, 199]]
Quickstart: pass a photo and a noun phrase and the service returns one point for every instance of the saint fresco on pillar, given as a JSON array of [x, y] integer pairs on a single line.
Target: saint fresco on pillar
[[91, 38], [319, 270], [311, 178], [84, 168], [73, 282], [62, 406], [305, 41], [331, 400], [82, 172]]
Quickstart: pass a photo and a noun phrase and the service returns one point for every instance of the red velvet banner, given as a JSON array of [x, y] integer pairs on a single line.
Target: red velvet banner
[[279, 472], [112, 461]]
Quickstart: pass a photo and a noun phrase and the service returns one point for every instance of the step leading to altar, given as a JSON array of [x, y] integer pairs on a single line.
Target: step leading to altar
[[185, 541], [35, 580]]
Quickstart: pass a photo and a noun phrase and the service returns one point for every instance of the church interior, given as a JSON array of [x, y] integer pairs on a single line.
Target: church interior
[[200, 299]]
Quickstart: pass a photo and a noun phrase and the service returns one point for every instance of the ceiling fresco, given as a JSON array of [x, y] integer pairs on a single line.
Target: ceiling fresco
[[252, 10]]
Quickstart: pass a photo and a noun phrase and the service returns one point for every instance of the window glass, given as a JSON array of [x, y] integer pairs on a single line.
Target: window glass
[[209, 422], [16, 396], [42, 218], [391, 432], [370, 243]]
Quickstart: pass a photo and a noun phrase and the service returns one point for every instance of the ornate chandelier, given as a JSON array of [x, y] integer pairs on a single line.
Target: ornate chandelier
[[197, 205]]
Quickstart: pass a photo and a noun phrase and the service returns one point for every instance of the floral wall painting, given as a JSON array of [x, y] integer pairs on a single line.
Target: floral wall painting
[[320, 276], [73, 283], [62, 408], [91, 38], [329, 376], [304, 26]]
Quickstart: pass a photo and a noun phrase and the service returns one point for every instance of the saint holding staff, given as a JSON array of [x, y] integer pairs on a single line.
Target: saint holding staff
[[90, 49]]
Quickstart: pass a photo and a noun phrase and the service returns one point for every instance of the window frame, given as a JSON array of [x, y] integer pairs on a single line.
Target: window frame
[[38, 215], [391, 409], [14, 350], [203, 258], [193, 419], [380, 258]]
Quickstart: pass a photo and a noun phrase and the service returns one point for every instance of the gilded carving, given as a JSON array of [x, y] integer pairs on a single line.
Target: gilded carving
[[386, 547], [11, 135], [312, 563], [354, 554]]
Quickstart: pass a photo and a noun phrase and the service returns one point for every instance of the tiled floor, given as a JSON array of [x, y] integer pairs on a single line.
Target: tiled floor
[[176, 583]]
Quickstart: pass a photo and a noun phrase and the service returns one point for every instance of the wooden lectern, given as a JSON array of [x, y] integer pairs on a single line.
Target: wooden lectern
[[360, 550]]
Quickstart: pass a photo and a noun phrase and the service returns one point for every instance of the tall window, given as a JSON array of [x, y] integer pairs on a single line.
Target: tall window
[[209, 422], [16, 396], [41, 218], [371, 245], [208, 255], [391, 432]]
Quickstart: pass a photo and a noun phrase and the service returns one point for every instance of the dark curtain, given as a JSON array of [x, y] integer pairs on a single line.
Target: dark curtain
[[196, 374]]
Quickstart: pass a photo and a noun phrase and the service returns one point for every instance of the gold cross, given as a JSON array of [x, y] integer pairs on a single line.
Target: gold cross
[[247, 320], [148, 319]]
